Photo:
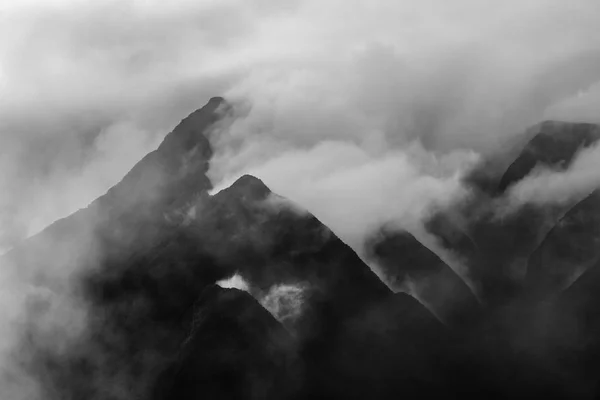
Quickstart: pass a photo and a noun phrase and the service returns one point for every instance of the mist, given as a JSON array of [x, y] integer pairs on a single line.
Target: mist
[[544, 185], [362, 112], [81, 80]]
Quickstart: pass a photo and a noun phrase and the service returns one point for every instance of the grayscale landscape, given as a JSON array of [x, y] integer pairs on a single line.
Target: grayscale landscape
[[304, 199]]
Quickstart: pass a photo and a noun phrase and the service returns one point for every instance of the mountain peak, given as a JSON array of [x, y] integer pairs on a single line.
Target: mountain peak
[[216, 100], [178, 166], [193, 130], [249, 186]]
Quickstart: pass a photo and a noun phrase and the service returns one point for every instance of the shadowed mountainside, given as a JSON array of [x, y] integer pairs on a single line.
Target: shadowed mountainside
[[144, 252], [496, 246], [142, 262], [413, 268]]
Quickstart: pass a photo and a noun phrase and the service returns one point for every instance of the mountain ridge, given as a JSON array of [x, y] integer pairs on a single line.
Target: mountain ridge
[[145, 254]]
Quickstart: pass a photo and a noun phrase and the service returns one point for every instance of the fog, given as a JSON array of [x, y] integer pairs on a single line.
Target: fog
[[362, 112]]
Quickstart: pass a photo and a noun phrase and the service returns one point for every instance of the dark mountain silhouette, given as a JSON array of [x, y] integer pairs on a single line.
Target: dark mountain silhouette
[[143, 261]]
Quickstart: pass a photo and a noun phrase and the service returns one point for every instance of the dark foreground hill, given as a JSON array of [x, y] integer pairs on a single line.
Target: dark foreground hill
[[313, 320]]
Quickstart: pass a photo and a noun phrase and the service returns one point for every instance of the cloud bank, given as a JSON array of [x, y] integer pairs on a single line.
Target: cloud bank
[[460, 75]]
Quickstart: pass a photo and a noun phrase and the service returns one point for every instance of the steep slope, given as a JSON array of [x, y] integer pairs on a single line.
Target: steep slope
[[415, 269], [569, 249], [236, 350], [485, 177], [563, 281], [141, 254], [394, 349], [496, 247], [129, 216], [141, 263], [532, 339], [575, 331], [555, 146], [111, 238], [549, 143]]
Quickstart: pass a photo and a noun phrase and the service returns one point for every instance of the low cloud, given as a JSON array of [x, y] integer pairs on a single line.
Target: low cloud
[[551, 186], [354, 191]]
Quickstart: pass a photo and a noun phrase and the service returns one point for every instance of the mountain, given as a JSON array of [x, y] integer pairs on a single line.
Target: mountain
[[103, 249], [550, 143], [496, 246], [574, 331], [396, 348], [537, 271], [142, 254], [562, 284], [569, 249], [235, 350], [555, 146], [129, 217], [143, 312], [413, 268], [562, 324]]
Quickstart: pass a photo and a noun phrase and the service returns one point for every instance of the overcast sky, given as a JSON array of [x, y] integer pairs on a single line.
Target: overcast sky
[[399, 90]]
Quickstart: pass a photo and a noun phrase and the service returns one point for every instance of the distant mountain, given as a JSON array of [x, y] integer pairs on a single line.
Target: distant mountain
[[536, 269], [497, 247], [555, 146], [310, 319], [550, 143]]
